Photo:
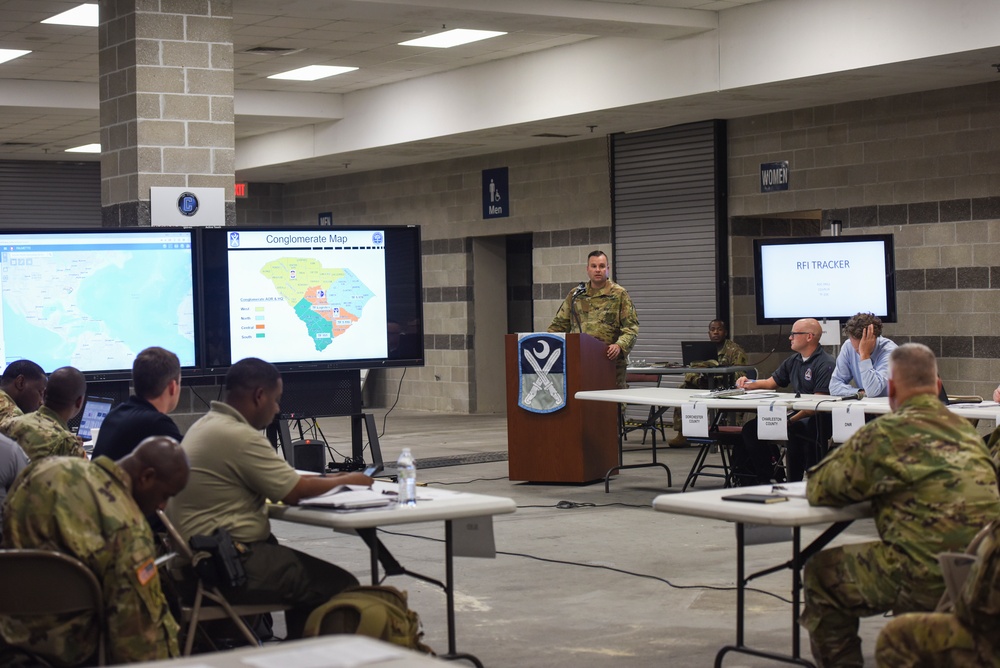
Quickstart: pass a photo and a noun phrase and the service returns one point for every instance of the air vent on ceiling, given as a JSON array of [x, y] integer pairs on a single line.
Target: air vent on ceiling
[[553, 135], [272, 50]]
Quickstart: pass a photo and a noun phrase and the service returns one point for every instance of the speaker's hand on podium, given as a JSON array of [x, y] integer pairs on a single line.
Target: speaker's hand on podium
[[614, 351]]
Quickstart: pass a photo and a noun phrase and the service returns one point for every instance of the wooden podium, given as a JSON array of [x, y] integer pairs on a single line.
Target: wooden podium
[[577, 443]]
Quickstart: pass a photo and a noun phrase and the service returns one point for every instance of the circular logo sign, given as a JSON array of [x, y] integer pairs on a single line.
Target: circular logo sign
[[377, 238], [187, 204]]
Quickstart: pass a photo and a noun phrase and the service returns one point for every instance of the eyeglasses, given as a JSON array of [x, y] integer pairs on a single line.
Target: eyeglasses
[[790, 334]]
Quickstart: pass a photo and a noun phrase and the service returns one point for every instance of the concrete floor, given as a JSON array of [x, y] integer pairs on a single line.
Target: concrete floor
[[612, 584]]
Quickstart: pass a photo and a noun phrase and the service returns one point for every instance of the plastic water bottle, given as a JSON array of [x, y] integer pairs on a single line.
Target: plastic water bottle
[[406, 472]]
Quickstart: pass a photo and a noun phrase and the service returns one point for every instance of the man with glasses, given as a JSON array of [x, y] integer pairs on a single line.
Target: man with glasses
[[807, 371]]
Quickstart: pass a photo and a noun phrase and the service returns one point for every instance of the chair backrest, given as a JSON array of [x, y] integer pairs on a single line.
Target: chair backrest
[[46, 582], [38, 582]]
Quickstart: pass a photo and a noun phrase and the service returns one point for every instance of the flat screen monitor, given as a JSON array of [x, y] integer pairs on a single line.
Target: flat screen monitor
[[94, 412], [93, 299], [830, 278], [313, 298]]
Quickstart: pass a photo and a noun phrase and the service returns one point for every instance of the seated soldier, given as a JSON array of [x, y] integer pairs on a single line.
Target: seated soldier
[[729, 354], [21, 388], [45, 433], [967, 636], [94, 511]]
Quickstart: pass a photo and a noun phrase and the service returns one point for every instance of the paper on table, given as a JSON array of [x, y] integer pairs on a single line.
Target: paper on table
[[755, 394], [349, 497], [346, 654]]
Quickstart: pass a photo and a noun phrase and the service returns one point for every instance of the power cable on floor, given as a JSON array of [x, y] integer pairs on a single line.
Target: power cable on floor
[[568, 505], [466, 482], [600, 567]]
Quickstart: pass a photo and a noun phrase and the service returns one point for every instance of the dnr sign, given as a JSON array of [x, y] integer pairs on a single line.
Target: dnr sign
[[773, 176]]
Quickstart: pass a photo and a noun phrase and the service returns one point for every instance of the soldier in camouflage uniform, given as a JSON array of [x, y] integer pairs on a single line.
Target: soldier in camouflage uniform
[[968, 637], [45, 433], [94, 511], [730, 354], [603, 310], [932, 486], [22, 387]]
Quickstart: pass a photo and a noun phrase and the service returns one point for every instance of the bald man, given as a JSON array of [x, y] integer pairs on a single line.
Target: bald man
[[932, 486], [95, 512], [46, 433], [807, 371]]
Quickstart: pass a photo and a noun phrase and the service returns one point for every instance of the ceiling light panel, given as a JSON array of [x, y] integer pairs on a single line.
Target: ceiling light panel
[[450, 38], [81, 15], [312, 72], [11, 54]]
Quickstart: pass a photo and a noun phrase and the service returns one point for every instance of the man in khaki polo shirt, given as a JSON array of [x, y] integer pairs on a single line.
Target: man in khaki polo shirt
[[234, 471]]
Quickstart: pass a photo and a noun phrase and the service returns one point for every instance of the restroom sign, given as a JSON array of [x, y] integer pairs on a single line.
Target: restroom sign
[[773, 176], [496, 198]]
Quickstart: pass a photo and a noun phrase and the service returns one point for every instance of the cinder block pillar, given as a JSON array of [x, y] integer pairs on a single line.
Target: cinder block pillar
[[166, 88]]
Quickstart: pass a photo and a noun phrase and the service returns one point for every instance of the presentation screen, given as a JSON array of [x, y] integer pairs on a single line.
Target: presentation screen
[[829, 278], [93, 299], [311, 298]]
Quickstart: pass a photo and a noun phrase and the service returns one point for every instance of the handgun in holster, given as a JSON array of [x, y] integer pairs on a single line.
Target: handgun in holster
[[217, 559]]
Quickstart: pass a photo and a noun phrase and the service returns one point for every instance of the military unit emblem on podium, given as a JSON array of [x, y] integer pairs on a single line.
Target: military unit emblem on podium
[[542, 372]]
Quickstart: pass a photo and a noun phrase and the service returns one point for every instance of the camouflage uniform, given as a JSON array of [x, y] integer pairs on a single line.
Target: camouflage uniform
[[967, 638], [730, 354], [8, 409], [932, 485], [86, 510], [43, 434], [606, 314]]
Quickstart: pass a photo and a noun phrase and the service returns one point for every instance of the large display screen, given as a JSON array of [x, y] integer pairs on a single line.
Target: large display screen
[[830, 278], [308, 298], [93, 299]]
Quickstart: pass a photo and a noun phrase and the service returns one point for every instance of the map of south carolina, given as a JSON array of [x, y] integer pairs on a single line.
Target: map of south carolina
[[328, 301]]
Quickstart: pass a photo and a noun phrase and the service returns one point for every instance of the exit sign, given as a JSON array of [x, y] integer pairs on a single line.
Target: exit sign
[[240, 189]]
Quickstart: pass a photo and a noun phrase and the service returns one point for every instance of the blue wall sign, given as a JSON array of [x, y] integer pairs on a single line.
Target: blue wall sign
[[496, 197]]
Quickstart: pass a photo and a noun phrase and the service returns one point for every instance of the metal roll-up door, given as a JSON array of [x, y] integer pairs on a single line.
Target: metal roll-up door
[[669, 233], [50, 194]]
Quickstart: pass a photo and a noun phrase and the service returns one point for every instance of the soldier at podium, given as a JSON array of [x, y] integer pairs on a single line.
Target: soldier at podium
[[602, 309]]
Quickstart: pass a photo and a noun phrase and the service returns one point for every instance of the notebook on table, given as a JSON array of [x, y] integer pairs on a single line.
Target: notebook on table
[[698, 351], [94, 412]]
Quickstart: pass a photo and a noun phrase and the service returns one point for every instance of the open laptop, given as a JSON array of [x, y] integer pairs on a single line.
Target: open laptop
[[698, 351], [94, 412]]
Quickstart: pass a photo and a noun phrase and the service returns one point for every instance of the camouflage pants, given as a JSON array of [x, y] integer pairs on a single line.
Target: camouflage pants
[[929, 640], [843, 584]]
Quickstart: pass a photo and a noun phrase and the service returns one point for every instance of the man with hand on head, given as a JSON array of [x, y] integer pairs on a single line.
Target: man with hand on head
[[21, 388], [234, 471], [156, 379], [808, 371], [95, 512], [602, 309], [932, 486], [863, 359], [45, 433]]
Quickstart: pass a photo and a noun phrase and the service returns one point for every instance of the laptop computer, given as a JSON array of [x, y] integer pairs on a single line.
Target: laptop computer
[[698, 351], [94, 412]]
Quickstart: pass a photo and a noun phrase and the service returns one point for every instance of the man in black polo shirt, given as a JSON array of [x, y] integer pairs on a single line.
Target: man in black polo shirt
[[807, 371], [156, 379]]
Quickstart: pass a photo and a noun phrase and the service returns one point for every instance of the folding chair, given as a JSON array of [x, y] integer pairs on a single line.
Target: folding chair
[[198, 611], [723, 437], [45, 582], [652, 422]]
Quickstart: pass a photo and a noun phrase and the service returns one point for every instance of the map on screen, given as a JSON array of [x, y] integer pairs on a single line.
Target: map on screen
[[303, 296], [94, 300]]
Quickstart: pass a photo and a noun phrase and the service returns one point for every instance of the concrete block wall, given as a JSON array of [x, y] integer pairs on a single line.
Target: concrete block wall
[[922, 167], [560, 194]]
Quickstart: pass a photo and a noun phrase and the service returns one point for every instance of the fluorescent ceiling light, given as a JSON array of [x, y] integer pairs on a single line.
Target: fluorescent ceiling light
[[86, 148], [312, 72], [81, 15], [11, 54], [450, 38]]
